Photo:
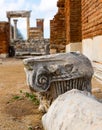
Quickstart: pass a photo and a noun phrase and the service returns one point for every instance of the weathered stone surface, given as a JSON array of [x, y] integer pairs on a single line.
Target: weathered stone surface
[[31, 47], [74, 110], [44, 70], [14, 14], [55, 74]]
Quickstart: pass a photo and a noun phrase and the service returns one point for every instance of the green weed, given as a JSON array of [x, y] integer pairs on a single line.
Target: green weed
[[30, 96]]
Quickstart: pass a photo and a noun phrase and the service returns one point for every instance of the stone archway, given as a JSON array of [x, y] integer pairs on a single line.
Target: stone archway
[[17, 14]]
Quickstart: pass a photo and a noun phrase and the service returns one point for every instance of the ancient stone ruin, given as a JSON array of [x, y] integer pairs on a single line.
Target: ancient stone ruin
[[57, 29], [17, 14], [37, 32], [31, 47], [32, 32], [55, 74], [66, 26], [12, 45]]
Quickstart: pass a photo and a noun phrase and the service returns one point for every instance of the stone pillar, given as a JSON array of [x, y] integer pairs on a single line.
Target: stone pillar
[[28, 25], [9, 20], [40, 24], [15, 29]]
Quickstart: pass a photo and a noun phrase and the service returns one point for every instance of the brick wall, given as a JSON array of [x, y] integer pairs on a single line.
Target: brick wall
[[75, 20], [39, 24], [58, 33], [35, 33], [91, 18], [67, 15], [66, 24], [38, 31], [4, 37]]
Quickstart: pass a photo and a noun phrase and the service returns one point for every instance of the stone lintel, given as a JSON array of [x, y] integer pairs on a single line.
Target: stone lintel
[[14, 14]]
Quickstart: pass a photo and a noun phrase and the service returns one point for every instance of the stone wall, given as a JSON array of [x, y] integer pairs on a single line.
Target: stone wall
[[39, 24], [31, 47], [78, 27], [82, 29], [73, 25], [92, 29], [58, 33], [91, 18], [92, 33], [73, 21], [66, 24], [35, 33], [4, 39], [38, 31]]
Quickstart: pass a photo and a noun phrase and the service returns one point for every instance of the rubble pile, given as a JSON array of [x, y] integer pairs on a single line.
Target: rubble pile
[[31, 47]]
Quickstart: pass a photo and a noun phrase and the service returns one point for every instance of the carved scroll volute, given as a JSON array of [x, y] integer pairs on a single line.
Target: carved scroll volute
[[41, 80], [43, 77]]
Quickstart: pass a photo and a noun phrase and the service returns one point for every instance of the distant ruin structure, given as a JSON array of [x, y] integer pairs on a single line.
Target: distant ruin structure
[[35, 33], [38, 31], [15, 29], [4, 39], [17, 14], [31, 47]]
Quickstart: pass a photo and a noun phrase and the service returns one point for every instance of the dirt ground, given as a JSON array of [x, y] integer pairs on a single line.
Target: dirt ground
[[17, 111]]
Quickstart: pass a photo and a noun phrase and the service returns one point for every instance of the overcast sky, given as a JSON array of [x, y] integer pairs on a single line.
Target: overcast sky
[[40, 9]]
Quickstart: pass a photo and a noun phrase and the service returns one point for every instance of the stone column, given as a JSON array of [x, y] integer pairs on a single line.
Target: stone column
[[28, 25], [15, 29], [9, 20]]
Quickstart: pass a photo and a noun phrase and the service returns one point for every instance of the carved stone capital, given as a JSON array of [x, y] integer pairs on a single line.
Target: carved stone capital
[[62, 71], [53, 75]]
